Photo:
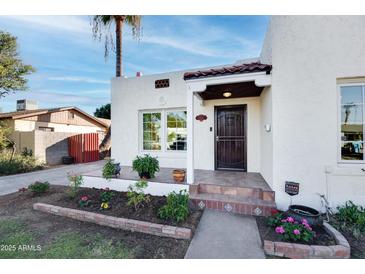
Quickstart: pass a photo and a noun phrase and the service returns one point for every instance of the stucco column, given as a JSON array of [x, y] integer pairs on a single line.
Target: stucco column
[[190, 137]]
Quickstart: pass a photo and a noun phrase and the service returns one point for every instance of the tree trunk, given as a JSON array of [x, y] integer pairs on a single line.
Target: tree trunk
[[118, 41]]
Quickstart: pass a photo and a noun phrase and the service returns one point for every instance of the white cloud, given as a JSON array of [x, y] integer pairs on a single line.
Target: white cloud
[[73, 24], [78, 79], [180, 44]]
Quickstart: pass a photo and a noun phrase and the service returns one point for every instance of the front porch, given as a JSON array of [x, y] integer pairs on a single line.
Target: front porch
[[231, 191], [212, 177]]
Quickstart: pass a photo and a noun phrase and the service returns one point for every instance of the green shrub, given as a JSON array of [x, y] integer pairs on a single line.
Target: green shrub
[[19, 163], [351, 217], [39, 187], [106, 195], [136, 195], [108, 169], [75, 182], [146, 165], [176, 208], [27, 152]]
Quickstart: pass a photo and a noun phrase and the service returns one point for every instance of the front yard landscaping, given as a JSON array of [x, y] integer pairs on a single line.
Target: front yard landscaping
[[291, 236], [31, 234]]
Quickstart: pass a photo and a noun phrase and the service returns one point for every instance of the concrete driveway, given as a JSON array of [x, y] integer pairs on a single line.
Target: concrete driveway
[[56, 176]]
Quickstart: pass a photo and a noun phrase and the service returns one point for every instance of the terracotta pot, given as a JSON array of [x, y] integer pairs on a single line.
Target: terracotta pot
[[179, 175]]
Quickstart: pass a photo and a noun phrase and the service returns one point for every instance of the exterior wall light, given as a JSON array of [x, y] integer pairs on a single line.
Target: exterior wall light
[[227, 94]]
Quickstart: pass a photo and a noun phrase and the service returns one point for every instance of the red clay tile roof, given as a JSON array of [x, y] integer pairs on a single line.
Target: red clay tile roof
[[235, 69]]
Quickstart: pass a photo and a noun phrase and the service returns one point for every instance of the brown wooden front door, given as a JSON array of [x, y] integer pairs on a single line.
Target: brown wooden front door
[[230, 137]]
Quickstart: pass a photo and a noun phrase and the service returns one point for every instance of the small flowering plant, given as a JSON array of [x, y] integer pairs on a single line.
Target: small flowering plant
[[104, 206], [84, 201], [106, 195], [291, 230]]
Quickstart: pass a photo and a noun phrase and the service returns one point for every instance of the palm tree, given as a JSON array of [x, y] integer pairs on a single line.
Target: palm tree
[[101, 27]]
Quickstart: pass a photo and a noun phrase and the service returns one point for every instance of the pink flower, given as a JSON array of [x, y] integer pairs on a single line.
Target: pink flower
[[296, 231], [283, 220], [307, 226], [290, 219], [304, 221], [280, 230], [84, 198]]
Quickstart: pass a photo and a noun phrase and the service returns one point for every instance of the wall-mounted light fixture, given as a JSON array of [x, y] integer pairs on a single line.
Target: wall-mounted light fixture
[[227, 94], [268, 127]]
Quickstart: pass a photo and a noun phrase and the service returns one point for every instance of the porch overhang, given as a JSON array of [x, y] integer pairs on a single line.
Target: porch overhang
[[256, 79], [246, 84]]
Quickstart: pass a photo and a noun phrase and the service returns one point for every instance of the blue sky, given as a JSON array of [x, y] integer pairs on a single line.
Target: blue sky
[[72, 71]]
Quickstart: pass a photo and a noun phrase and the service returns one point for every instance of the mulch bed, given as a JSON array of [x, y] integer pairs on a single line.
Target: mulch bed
[[268, 233], [119, 208], [20, 206], [357, 244]]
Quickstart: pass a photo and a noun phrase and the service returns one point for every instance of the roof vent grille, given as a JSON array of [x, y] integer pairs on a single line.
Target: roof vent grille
[[162, 83]]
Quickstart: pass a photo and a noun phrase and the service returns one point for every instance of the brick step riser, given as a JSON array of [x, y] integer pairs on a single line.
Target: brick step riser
[[239, 208], [235, 191]]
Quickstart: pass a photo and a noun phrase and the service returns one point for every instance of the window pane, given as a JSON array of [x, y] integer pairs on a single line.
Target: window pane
[[176, 130], [151, 131], [352, 123], [146, 117]]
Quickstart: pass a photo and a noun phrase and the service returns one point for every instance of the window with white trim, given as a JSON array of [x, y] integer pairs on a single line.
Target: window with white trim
[[164, 130], [352, 118]]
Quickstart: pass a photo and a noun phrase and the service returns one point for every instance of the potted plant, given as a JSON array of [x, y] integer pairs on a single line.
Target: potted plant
[[146, 166], [178, 175], [111, 169]]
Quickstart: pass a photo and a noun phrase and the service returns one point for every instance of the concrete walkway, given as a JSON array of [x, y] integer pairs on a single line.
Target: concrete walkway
[[223, 235], [56, 176]]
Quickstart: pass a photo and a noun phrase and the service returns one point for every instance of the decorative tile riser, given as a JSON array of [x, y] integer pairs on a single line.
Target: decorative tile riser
[[239, 208]]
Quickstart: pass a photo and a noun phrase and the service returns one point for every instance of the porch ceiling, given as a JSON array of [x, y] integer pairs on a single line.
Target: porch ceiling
[[238, 90]]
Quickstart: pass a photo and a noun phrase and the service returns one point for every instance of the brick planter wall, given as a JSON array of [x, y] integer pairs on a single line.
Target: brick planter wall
[[301, 251], [115, 222]]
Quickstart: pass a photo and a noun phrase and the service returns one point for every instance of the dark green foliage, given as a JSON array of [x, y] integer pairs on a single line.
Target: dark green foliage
[[146, 164], [103, 112], [351, 217], [176, 208], [12, 69], [108, 169], [106, 195], [27, 152], [136, 195], [39, 187], [275, 220], [19, 164]]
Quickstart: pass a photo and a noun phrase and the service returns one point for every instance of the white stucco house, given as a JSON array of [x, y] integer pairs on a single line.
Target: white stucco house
[[296, 113]]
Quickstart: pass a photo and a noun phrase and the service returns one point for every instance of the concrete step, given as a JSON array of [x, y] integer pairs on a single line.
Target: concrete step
[[240, 191], [235, 204]]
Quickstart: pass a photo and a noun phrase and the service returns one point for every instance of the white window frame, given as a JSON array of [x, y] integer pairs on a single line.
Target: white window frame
[[339, 121], [163, 137]]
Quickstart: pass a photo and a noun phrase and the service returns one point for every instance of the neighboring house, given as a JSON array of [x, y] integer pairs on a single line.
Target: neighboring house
[[45, 131], [296, 113]]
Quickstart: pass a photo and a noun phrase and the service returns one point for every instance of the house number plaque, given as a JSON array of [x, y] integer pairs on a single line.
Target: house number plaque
[[291, 188]]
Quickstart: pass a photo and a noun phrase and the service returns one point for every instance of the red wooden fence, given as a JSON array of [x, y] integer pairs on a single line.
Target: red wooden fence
[[84, 147]]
